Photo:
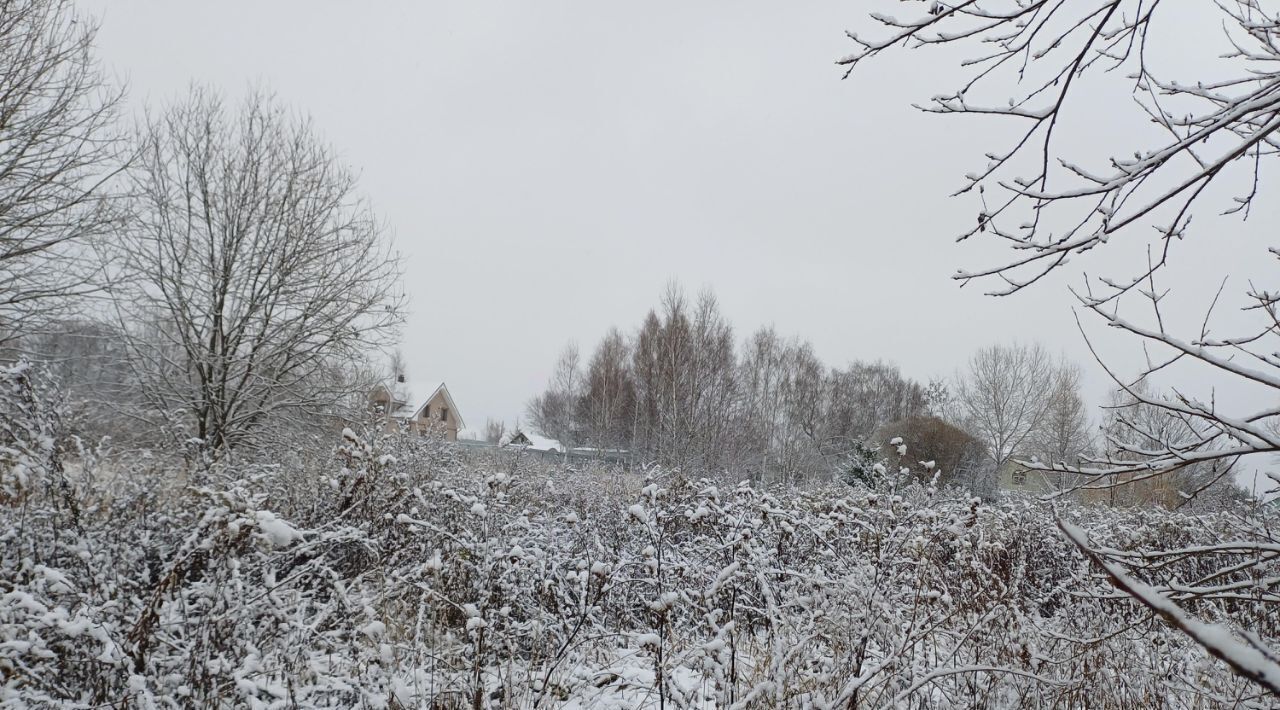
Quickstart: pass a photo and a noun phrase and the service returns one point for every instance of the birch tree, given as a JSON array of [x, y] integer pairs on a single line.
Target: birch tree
[[783, 407], [554, 413], [683, 363], [679, 393], [608, 397]]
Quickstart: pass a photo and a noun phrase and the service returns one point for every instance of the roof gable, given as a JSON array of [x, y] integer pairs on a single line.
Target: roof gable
[[448, 398]]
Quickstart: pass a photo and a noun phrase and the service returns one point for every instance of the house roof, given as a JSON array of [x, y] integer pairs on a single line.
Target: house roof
[[538, 443], [448, 398], [509, 437], [403, 411]]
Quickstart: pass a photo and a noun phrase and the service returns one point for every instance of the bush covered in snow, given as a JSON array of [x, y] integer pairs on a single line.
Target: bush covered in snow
[[396, 573]]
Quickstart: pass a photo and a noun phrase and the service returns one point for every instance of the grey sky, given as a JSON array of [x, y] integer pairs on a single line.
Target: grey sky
[[546, 167]]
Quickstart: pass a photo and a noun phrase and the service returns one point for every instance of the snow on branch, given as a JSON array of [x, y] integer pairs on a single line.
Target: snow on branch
[[1248, 658], [1036, 61]]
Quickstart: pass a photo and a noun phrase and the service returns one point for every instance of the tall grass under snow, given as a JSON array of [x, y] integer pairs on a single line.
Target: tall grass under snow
[[396, 573]]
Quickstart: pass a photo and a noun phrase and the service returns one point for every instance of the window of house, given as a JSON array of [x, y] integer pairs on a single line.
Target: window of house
[[444, 414], [426, 412], [1019, 478]]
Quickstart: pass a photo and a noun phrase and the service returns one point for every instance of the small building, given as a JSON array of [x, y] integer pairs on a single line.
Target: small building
[[1134, 489], [532, 442], [404, 411], [1129, 489], [518, 439], [1015, 477]]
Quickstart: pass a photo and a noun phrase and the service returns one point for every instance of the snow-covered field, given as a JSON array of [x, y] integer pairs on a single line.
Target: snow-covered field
[[406, 574]]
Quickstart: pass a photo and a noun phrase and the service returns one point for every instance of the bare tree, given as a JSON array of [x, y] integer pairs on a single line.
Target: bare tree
[[1031, 62], [646, 373], [1021, 405], [709, 394], [671, 427], [58, 150], [1211, 129], [1132, 429], [494, 431], [84, 357], [554, 413], [1037, 58], [679, 394], [1064, 435], [1004, 397], [938, 400], [252, 272], [866, 395], [761, 382]]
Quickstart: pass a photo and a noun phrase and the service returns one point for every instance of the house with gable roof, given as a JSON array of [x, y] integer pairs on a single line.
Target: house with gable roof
[[405, 411]]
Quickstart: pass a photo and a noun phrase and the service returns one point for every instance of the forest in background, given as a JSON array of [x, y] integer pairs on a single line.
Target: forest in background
[[681, 392]]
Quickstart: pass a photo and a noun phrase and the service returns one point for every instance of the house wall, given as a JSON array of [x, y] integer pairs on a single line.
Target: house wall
[[1156, 490]]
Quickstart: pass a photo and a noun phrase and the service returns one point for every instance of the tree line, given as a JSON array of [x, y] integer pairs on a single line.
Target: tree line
[[682, 391]]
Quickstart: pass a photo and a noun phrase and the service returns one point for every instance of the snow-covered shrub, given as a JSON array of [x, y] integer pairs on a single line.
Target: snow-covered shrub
[[399, 572], [30, 425]]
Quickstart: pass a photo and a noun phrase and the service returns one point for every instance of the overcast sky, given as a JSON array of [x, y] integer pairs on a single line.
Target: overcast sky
[[546, 167]]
